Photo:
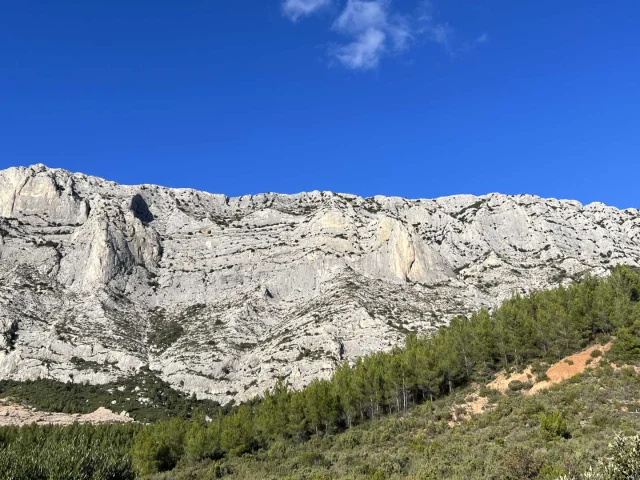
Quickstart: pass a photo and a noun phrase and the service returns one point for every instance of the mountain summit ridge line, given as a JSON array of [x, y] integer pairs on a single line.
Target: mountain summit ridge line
[[42, 167]]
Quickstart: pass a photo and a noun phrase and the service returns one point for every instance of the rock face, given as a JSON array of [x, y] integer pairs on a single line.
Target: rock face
[[220, 296], [18, 416]]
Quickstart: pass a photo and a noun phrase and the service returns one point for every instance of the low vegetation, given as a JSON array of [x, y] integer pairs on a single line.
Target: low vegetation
[[559, 432], [387, 415], [80, 452], [145, 398]]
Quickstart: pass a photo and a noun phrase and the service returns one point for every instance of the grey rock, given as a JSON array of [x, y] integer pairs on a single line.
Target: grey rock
[[220, 296]]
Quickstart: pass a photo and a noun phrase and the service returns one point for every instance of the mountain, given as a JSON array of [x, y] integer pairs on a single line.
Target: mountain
[[221, 296]]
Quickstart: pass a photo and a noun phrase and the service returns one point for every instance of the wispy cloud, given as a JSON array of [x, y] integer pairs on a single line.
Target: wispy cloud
[[296, 9], [442, 34], [373, 30], [364, 52], [439, 32], [361, 15]]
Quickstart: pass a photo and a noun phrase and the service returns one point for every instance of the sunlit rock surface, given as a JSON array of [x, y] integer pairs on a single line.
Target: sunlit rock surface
[[221, 296]]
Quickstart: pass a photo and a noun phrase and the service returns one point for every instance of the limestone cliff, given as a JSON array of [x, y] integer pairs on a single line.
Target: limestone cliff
[[220, 296]]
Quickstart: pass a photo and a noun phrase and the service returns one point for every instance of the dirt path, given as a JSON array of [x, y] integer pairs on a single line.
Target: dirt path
[[16, 415]]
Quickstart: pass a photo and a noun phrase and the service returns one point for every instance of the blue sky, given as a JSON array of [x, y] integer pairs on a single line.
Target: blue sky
[[395, 97]]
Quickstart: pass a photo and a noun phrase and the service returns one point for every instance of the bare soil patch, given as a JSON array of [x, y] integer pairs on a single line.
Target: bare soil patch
[[502, 381], [473, 406], [569, 367], [564, 369]]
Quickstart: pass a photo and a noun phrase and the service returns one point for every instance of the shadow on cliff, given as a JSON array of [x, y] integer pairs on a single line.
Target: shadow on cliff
[[141, 210]]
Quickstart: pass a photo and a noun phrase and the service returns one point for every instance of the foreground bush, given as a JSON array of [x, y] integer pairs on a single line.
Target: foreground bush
[[622, 464], [79, 452]]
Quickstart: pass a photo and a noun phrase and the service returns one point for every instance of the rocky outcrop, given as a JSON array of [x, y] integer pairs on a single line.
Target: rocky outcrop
[[220, 296], [19, 416]]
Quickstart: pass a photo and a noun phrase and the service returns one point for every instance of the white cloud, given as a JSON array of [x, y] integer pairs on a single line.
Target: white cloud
[[374, 32], [295, 9], [363, 53], [359, 16]]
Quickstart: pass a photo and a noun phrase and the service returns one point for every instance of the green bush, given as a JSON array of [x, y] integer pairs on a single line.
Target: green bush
[[158, 447], [553, 426], [622, 463], [515, 385], [520, 463], [539, 369], [217, 470], [54, 396], [78, 452], [202, 443]]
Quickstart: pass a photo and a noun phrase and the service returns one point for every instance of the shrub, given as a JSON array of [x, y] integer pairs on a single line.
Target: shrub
[[158, 447], [550, 472], [539, 369], [165, 333], [490, 393], [217, 470], [622, 464], [596, 353], [349, 439], [82, 452], [202, 443], [625, 460], [516, 385], [553, 426], [520, 463], [310, 459]]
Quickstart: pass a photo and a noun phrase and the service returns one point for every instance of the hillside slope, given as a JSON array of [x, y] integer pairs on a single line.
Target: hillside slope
[[220, 296], [507, 441]]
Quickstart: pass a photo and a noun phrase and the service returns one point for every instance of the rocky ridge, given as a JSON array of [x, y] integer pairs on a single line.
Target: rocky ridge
[[220, 296]]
